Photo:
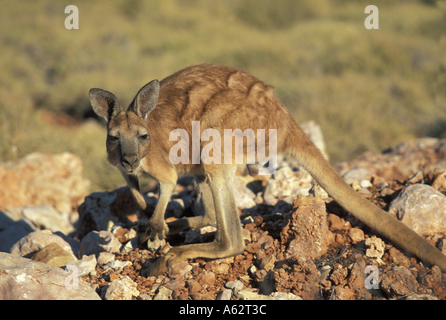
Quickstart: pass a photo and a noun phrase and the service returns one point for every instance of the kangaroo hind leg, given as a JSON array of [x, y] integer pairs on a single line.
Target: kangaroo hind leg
[[199, 221], [228, 241]]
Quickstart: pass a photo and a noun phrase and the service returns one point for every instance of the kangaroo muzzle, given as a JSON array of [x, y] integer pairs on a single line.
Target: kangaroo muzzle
[[130, 163]]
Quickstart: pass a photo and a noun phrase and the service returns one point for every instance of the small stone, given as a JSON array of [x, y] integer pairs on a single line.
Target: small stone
[[105, 257], [35, 241], [439, 182], [224, 295], [175, 284], [357, 235], [284, 296], [96, 242], [221, 268], [421, 208], [53, 255], [267, 263], [160, 296], [116, 264], [399, 281], [155, 244], [121, 289], [334, 222], [165, 291], [193, 286], [179, 269], [356, 175], [85, 266], [421, 297], [339, 238], [25, 279], [206, 278], [238, 285], [416, 178], [376, 249]]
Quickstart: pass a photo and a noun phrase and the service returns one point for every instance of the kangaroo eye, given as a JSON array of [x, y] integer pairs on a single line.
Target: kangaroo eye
[[144, 137], [112, 138]]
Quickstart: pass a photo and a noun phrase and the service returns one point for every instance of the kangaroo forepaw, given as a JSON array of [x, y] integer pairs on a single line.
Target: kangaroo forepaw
[[156, 231]]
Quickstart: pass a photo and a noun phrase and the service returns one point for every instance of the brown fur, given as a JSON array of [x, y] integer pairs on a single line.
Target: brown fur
[[220, 98]]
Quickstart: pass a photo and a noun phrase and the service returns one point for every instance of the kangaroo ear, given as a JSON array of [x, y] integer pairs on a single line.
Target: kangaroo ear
[[104, 103], [146, 99]]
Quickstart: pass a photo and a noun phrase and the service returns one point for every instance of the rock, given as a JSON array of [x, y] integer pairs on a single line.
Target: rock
[[224, 295], [176, 207], [116, 264], [356, 279], [206, 278], [399, 281], [357, 175], [290, 184], [301, 278], [155, 244], [238, 285], [102, 210], [199, 235], [96, 242], [403, 160], [41, 179], [284, 296], [416, 178], [314, 132], [421, 297], [244, 197], [24, 279], [105, 257], [179, 269], [84, 267], [398, 258], [307, 230], [175, 284], [356, 234], [121, 289], [421, 208], [37, 240], [46, 217], [376, 249], [440, 182], [53, 255], [334, 222], [95, 213], [318, 192], [252, 294], [13, 227], [267, 263], [193, 286]]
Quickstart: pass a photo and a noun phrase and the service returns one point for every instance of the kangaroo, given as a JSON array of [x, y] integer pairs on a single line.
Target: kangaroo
[[220, 97]]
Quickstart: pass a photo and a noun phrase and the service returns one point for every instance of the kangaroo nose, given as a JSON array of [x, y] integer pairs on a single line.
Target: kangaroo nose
[[130, 163]]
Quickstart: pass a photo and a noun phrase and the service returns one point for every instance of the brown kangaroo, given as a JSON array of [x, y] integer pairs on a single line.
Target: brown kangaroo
[[139, 144]]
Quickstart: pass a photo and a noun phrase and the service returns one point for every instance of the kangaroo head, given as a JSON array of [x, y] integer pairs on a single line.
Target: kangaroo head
[[128, 139]]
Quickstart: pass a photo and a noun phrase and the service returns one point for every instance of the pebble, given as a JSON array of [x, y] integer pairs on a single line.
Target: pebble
[[121, 289], [237, 285], [356, 234], [421, 208], [224, 295]]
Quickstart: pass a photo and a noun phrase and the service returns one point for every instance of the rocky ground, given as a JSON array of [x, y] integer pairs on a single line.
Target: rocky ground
[[300, 244]]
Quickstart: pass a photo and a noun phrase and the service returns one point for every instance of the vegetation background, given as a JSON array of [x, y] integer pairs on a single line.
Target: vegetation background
[[368, 89]]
